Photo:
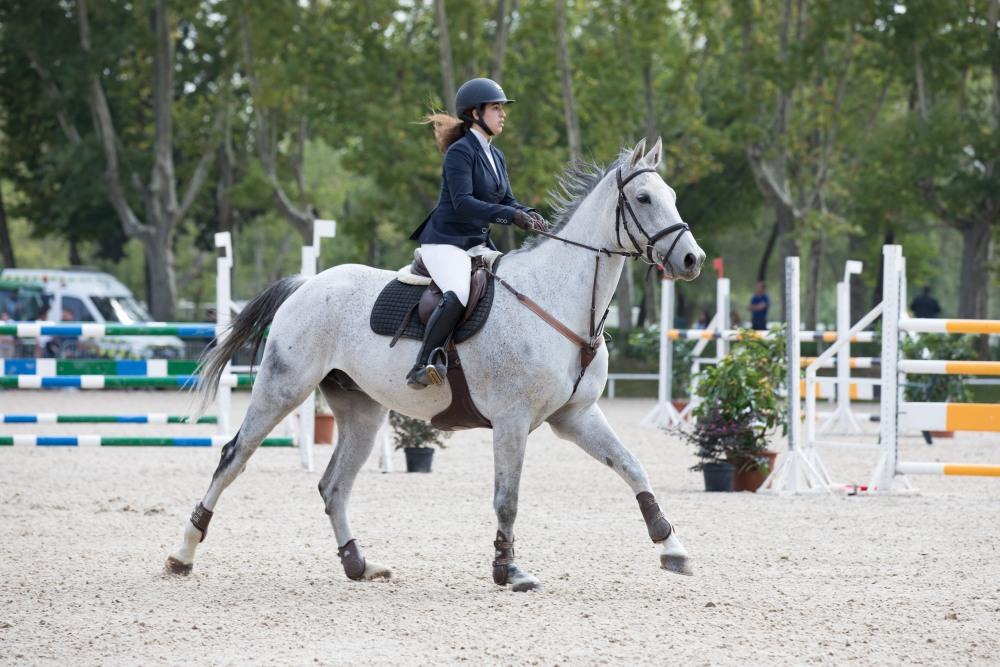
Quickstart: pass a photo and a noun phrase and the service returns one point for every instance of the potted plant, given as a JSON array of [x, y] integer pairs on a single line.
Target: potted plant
[[322, 421], [739, 408], [938, 388], [416, 437]]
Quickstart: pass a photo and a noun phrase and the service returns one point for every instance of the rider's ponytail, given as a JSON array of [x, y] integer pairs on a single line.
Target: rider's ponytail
[[447, 129]]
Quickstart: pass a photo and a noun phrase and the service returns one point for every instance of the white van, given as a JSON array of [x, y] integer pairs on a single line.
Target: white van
[[87, 295]]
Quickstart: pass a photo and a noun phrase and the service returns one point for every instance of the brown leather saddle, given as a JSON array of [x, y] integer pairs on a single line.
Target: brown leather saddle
[[402, 309]]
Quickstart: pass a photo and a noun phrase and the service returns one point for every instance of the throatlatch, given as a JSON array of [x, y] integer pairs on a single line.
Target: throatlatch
[[656, 524]]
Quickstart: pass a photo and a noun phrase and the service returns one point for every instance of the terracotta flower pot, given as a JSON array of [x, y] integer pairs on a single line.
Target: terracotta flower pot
[[323, 429], [750, 478]]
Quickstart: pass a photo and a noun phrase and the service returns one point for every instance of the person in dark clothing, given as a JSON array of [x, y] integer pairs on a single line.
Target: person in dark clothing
[[925, 305], [475, 193], [759, 303]]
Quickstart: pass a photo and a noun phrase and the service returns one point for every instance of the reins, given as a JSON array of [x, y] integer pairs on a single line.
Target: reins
[[588, 349]]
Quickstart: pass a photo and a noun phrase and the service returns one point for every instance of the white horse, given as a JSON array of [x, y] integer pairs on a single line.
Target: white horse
[[521, 371]]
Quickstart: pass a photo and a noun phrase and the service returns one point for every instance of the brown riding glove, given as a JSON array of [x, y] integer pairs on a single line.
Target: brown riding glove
[[530, 221]]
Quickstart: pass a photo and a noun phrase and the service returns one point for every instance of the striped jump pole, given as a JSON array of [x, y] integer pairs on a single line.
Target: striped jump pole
[[852, 362], [242, 381], [150, 418], [926, 325], [127, 441], [932, 367], [963, 469], [950, 416], [95, 330], [145, 367]]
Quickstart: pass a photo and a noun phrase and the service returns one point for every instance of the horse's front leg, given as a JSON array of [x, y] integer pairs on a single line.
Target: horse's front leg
[[509, 441], [588, 428]]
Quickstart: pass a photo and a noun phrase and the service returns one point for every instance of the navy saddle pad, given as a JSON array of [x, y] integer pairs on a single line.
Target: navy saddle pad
[[397, 299]]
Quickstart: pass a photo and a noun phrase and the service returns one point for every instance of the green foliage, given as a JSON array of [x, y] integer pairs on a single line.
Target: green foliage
[[409, 432], [740, 403], [938, 388]]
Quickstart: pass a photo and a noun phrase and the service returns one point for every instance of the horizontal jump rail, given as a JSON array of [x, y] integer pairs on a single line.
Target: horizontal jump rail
[[93, 330], [734, 334], [950, 416], [115, 381], [962, 469], [928, 325], [117, 441], [934, 367], [150, 367], [150, 418]]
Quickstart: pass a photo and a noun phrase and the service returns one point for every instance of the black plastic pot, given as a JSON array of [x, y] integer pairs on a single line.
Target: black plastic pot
[[718, 476], [418, 459]]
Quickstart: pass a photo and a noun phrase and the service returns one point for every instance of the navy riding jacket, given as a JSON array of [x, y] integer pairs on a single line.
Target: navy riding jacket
[[472, 197]]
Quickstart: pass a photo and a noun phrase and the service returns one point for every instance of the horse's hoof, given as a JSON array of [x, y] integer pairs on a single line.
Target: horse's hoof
[[174, 566], [529, 584], [678, 564], [375, 571]]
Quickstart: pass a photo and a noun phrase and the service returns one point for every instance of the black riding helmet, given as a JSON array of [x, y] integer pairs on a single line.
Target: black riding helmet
[[476, 94]]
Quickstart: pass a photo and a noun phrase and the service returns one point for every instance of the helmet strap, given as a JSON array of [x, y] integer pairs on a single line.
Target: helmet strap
[[481, 123]]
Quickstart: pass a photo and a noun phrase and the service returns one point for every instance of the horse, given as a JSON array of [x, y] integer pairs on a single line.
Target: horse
[[523, 372]]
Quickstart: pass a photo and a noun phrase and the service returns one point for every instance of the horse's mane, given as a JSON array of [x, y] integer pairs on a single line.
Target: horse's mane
[[572, 187]]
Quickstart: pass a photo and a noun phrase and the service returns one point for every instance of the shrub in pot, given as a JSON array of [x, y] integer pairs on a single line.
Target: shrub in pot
[[739, 408], [416, 438]]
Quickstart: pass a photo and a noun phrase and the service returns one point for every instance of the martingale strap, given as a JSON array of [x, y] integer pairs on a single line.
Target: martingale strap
[[588, 349]]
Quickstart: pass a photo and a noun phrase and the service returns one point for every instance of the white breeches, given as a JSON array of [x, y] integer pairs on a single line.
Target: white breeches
[[450, 266]]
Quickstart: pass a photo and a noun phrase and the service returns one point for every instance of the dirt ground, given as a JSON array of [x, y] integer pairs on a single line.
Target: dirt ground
[[786, 581]]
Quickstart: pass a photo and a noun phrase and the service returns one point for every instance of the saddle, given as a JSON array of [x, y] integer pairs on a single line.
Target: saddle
[[402, 309]]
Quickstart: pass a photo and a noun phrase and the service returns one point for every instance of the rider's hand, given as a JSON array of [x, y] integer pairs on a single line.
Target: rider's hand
[[523, 220], [539, 223]]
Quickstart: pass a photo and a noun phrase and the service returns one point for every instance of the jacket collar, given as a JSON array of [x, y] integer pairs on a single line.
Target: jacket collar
[[477, 145]]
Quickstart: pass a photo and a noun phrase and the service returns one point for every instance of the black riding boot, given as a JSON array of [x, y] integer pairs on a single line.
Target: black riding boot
[[431, 367]]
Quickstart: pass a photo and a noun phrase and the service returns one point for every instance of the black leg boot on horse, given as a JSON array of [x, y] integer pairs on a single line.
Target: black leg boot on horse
[[432, 362]]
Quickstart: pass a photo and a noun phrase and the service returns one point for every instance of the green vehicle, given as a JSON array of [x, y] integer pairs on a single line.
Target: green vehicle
[[22, 301]]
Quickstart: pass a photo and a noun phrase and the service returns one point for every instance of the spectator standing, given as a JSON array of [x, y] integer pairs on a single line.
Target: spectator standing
[[759, 303], [925, 305]]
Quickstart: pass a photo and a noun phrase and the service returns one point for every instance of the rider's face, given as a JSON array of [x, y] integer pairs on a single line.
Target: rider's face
[[494, 116]]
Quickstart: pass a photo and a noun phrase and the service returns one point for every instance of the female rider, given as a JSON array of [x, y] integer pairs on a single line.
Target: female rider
[[475, 193]]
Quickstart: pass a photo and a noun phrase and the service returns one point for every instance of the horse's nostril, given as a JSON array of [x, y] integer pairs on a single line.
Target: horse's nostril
[[689, 261]]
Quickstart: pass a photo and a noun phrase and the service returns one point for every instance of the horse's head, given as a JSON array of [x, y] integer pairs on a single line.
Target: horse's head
[[647, 220]]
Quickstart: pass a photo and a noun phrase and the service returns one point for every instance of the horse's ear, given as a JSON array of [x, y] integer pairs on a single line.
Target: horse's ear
[[637, 153], [655, 154]]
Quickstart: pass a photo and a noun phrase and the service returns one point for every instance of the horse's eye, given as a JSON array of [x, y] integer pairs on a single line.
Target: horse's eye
[[643, 197]]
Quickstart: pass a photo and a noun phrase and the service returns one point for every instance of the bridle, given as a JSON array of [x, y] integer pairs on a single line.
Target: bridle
[[623, 209], [588, 348]]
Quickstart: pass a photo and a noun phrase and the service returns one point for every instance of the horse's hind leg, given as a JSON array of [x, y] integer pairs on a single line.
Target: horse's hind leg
[[359, 419], [277, 391], [588, 428]]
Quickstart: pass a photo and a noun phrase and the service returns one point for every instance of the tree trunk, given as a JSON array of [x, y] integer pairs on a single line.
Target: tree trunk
[[500, 40], [647, 90], [810, 310], [444, 48], [565, 72], [974, 270], [624, 299], [6, 246], [160, 262], [765, 257], [889, 239]]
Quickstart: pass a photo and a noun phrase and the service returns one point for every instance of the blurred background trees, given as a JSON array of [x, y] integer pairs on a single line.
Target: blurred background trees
[[132, 130]]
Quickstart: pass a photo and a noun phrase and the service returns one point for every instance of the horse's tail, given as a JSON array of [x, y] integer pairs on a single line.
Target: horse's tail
[[249, 326]]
